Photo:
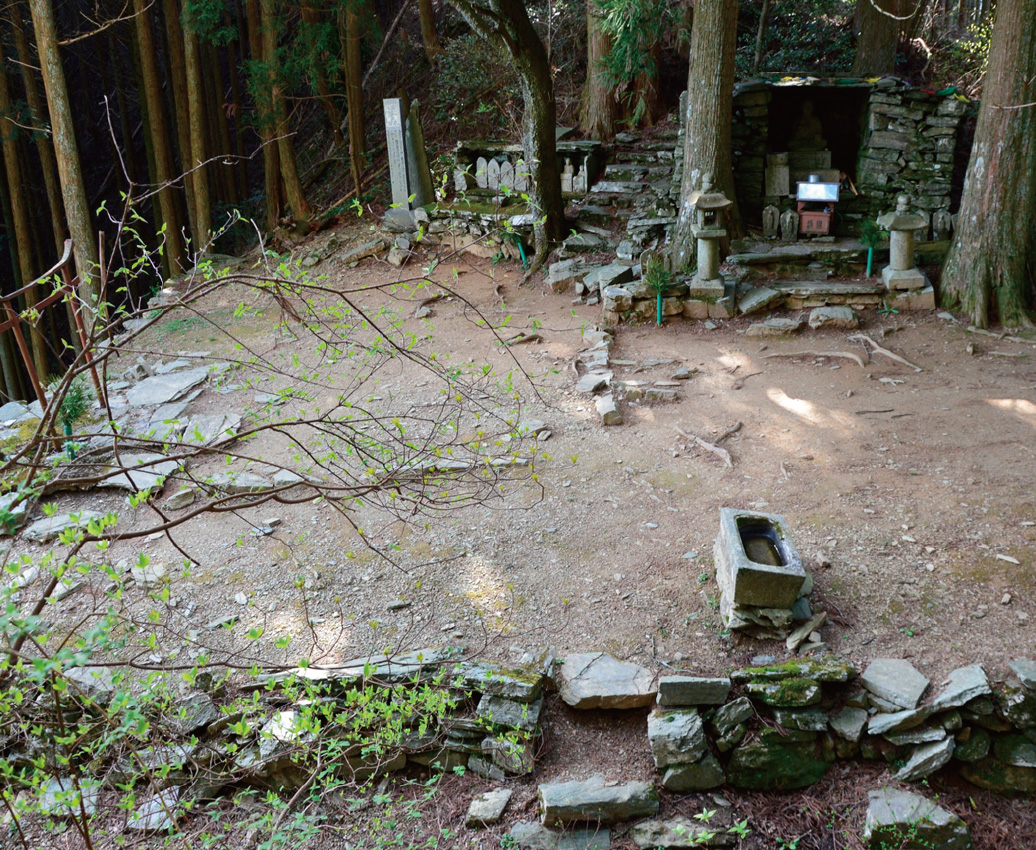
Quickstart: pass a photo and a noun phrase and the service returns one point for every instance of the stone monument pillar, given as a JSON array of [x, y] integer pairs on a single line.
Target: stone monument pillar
[[901, 223]]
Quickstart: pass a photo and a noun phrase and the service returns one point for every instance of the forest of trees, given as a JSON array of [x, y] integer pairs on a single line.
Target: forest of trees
[[195, 112]]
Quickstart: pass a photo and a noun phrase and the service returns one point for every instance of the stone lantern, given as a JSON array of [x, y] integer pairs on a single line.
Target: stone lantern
[[708, 229], [901, 223]]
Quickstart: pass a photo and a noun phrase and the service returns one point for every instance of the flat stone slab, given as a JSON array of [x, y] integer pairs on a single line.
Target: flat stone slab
[[157, 813], [692, 690], [212, 430], [596, 800], [488, 807], [523, 684], [848, 723], [162, 389], [759, 298], [963, 685], [774, 327], [1025, 670], [600, 680], [924, 760], [678, 833], [591, 382], [839, 318], [508, 713], [50, 528], [235, 483], [60, 798], [698, 776], [139, 472], [534, 836], [892, 815], [896, 681]]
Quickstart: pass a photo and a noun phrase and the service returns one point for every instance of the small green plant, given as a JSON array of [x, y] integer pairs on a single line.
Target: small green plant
[[887, 309], [75, 403], [658, 280], [740, 829]]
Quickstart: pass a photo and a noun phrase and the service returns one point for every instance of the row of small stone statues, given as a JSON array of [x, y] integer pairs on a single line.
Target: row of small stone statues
[[786, 225], [494, 174]]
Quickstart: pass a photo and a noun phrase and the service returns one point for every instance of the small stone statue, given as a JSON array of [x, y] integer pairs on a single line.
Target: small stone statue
[[771, 221], [567, 176], [789, 226], [580, 180]]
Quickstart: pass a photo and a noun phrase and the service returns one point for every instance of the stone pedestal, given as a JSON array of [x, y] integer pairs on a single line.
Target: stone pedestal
[[902, 223], [708, 252]]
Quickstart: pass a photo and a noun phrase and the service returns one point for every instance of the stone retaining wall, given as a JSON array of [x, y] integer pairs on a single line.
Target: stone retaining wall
[[907, 145]]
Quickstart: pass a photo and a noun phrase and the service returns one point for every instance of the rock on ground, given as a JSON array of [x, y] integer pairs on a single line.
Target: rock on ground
[[488, 807], [894, 680], [893, 816], [594, 800], [599, 680]]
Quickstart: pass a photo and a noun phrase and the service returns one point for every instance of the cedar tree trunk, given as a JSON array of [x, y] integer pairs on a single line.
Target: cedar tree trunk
[[710, 92], [70, 174], [432, 48], [599, 107], [991, 269], [506, 24], [158, 129], [271, 157], [876, 37]]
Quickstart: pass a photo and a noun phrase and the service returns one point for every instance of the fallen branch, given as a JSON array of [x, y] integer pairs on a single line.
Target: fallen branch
[[877, 349], [733, 429], [844, 354], [522, 338], [723, 454], [738, 384], [971, 329]]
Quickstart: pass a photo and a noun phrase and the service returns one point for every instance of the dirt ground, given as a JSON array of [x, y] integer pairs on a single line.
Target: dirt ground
[[908, 494]]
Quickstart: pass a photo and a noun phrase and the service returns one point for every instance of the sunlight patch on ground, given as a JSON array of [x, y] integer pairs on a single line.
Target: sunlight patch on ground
[[809, 412], [1020, 407]]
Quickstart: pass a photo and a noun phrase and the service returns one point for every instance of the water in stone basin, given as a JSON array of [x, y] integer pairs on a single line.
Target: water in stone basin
[[760, 544]]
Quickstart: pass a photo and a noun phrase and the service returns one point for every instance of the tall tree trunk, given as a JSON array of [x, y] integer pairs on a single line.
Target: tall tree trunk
[[432, 48], [760, 37], [236, 104], [354, 95], [506, 25], [158, 129], [279, 107], [991, 268], [312, 18], [44, 145], [877, 36], [22, 236], [220, 122], [710, 92], [182, 121], [70, 175], [196, 112], [599, 107], [271, 157]]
